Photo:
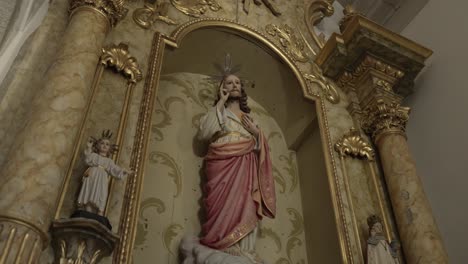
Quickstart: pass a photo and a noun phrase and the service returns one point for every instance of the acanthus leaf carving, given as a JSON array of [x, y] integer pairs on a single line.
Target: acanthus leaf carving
[[291, 44], [353, 145], [384, 117], [119, 58], [147, 15], [267, 3], [198, 9]]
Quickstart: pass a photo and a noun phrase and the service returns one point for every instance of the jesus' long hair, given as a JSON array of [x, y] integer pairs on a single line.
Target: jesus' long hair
[[242, 99]]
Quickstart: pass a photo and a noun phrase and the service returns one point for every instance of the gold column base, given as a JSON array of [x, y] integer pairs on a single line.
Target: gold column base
[[81, 240], [20, 241]]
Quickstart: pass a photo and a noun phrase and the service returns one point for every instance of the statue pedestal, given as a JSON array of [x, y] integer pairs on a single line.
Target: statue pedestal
[[81, 240]]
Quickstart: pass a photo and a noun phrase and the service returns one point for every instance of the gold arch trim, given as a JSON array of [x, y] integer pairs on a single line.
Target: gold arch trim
[[177, 36], [127, 225]]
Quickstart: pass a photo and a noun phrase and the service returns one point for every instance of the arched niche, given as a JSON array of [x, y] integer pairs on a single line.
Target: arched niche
[[312, 210]]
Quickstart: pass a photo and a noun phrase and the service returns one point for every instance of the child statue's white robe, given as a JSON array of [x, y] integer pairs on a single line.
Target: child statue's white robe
[[95, 186], [379, 251]]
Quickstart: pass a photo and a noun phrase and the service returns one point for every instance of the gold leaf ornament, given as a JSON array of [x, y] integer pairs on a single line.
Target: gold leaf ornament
[[147, 15], [327, 86], [196, 9], [291, 44], [353, 145], [119, 58], [267, 3]]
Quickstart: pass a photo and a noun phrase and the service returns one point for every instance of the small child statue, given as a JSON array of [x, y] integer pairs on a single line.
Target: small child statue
[[379, 251], [95, 187]]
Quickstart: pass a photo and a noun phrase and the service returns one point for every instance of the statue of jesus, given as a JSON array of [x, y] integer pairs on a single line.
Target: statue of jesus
[[240, 189]]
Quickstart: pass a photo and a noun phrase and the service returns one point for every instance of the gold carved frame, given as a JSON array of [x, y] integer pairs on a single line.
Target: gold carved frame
[[127, 224]]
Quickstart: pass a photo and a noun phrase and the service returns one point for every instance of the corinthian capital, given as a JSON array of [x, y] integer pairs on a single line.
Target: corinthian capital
[[114, 10], [382, 117]]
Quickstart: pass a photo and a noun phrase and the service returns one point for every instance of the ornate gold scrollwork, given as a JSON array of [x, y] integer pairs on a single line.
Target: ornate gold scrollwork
[[316, 11], [148, 14], [353, 145], [198, 9], [267, 3], [348, 79], [326, 85], [118, 57], [114, 10], [291, 44], [385, 117]]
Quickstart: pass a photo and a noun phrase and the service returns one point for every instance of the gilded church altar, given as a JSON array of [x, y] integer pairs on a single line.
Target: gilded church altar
[[329, 105]]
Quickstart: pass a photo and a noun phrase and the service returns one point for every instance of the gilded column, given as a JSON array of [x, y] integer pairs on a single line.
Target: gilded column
[[377, 68], [31, 179]]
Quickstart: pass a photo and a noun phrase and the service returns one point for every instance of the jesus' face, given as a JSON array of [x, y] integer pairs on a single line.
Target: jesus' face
[[233, 85]]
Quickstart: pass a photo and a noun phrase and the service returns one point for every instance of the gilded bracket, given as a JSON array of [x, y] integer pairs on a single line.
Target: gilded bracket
[[316, 11], [119, 58], [291, 44], [198, 9], [326, 85], [150, 13], [267, 3], [353, 145]]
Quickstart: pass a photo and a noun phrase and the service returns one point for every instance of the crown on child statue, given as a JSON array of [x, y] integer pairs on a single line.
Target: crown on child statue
[[372, 220], [107, 134]]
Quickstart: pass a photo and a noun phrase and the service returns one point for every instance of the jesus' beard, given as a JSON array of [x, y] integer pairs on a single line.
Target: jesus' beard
[[233, 99]]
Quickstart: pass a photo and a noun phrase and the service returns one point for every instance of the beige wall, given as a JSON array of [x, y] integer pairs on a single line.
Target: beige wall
[[439, 121]]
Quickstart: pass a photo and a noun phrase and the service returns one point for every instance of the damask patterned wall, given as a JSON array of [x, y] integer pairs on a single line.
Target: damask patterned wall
[[171, 199]]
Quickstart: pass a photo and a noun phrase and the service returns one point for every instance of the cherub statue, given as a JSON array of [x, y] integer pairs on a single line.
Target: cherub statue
[[94, 190], [379, 251]]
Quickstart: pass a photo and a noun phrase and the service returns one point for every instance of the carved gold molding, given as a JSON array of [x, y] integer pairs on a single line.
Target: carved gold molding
[[81, 240], [383, 117], [198, 9], [267, 3], [325, 85], [291, 44], [316, 11], [114, 10], [150, 13], [119, 58], [348, 79], [353, 145]]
